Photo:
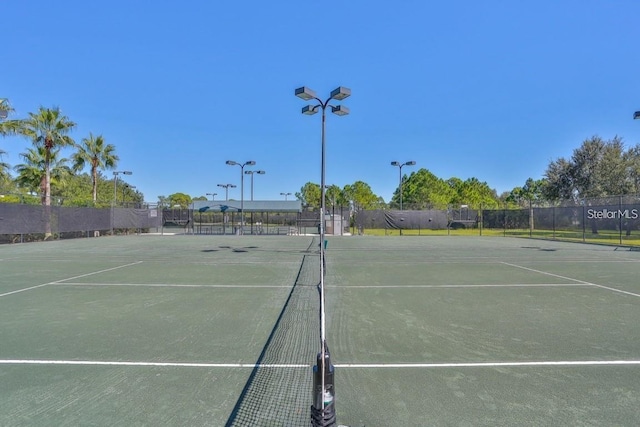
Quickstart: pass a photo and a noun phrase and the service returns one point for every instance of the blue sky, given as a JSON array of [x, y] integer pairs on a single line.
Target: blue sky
[[493, 89]]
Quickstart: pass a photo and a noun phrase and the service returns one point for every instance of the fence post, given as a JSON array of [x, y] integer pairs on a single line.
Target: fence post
[[620, 217]]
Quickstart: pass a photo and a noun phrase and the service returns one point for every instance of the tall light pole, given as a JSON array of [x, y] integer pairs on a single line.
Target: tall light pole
[[213, 196], [400, 165], [285, 195], [115, 182], [226, 187], [251, 173], [242, 165], [115, 194], [323, 408]]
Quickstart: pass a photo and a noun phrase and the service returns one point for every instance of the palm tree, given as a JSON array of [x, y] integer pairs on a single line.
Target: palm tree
[[4, 167], [48, 130], [31, 173], [98, 155], [5, 109]]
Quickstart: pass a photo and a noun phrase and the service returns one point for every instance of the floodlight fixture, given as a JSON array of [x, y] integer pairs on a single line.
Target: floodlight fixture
[[636, 115], [394, 163], [340, 93], [339, 110], [305, 93], [226, 187], [309, 110], [410, 163], [231, 162]]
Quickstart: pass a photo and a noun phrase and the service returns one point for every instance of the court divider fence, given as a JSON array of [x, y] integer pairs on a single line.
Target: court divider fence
[[610, 220]]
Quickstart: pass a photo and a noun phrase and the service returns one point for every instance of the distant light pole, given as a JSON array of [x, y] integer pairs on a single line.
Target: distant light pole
[[321, 388], [213, 196], [226, 187], [285, 195], [124, 187], [242, 165], [115, 182], [251, 173], [115, 193], [400, 165]]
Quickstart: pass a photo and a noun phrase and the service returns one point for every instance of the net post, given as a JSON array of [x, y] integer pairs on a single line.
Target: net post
[[323, 411]]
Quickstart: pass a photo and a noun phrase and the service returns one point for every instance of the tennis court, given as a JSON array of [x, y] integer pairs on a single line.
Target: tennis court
[[223, 331]]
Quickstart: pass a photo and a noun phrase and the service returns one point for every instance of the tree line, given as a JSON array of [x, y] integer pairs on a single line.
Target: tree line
[[597, 168], [47, 177]]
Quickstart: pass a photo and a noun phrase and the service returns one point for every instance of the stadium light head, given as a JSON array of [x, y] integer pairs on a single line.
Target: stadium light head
[[309, 110], [340, 110], [636, 115], [305, 93], [395, 164], [340, 93]]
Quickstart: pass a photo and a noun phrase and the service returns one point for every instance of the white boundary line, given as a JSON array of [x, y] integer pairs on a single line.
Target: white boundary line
[[169, 285], [574, 280], [512, 285], [339, 365], [148, 364], [70, 278], [491, 364]]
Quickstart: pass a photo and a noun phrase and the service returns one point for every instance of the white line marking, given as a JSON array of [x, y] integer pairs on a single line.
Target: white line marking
[[546, 273], [70, 278], [339, 365], [95, 272], [491, 364], [149, 364], [512, 285], [22, 290], [575, 280], [168, 285], [616, 290]]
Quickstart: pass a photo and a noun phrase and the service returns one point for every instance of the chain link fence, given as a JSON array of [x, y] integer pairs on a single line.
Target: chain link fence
[[611, 220]]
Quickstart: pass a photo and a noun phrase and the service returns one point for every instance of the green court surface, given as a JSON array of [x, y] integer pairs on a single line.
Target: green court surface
[[223, 331]]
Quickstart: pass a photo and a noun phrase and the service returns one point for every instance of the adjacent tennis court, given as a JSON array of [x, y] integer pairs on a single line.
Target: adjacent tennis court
[[223, 331]]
